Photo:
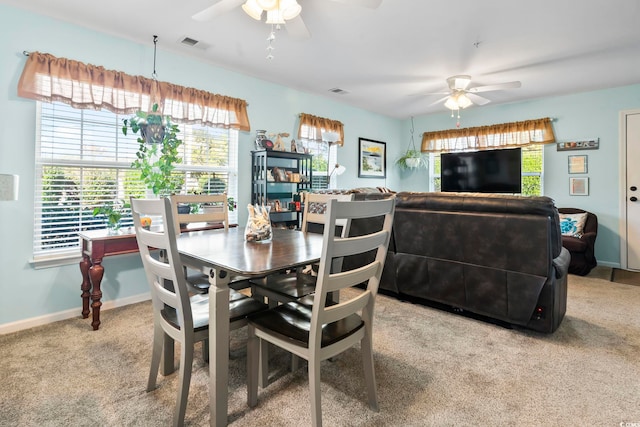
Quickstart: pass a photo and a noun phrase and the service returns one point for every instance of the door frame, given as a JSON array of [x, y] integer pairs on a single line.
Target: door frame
[[622, 231]]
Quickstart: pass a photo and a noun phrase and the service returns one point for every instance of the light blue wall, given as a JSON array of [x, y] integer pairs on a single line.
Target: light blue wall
[[28, 293], [577, 117]]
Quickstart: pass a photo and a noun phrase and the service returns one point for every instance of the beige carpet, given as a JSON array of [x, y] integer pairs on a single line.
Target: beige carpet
[[433, 369]]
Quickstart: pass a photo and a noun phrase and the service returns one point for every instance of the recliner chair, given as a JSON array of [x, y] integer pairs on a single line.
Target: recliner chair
[[582, 248]]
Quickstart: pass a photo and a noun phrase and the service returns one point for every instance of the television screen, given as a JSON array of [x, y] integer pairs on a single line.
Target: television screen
[[489, 171]]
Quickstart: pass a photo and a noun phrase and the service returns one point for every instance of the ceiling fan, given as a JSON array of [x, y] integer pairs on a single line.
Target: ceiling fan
[[279, 12], [461, 96]]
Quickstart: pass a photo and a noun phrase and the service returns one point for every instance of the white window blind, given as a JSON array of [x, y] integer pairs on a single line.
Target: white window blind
[[84, 161]]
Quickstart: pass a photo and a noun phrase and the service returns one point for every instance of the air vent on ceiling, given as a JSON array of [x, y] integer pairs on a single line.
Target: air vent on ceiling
[[189, 41], [338, 91]]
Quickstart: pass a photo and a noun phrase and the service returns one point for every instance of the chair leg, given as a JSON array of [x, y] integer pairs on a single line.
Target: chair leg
[[156, 353], [314, 391], [264, 363], [184, 380], [253, 356], [168, 364], [295, 362], [205, 350], [369, 370]]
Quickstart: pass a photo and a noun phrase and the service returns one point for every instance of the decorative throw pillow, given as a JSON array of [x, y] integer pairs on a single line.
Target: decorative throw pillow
[[572, 224]]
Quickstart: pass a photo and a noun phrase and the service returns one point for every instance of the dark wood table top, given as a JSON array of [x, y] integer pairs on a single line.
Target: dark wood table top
[[228, 250]]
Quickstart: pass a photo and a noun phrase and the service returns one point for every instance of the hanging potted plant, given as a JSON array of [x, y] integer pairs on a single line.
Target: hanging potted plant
[[412, 158], [158, 150]]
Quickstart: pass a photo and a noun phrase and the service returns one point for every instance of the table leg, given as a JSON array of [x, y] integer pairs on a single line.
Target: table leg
[[85, 264], [218, 347], [96, 271]]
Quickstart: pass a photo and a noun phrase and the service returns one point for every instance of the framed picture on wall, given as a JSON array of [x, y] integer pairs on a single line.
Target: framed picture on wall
[[579, 186], [578, 164], [372, 158]]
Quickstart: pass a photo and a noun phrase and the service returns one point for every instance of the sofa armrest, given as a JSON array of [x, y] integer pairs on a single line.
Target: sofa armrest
[[590, 238], [561, 263]]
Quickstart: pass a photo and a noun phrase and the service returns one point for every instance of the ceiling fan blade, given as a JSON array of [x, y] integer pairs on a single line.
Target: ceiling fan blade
[[429, 93], [296, 28], [439, 101], [499, 86], [371, 4], [477, 99], [215, 10]]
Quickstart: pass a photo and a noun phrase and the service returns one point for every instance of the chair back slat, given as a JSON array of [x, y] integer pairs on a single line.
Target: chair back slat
[[358, 244], [161, 260], [334, 313], [347, 279], [220, 215]]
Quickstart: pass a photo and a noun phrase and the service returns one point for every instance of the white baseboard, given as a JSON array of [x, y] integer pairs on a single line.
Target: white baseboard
[[609, 264], [69, 314]]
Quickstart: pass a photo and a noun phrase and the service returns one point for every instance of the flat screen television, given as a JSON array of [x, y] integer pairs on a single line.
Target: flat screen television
[[488, 171]]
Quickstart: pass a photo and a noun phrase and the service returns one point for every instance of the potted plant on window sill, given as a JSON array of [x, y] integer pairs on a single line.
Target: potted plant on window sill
[[113, 213]]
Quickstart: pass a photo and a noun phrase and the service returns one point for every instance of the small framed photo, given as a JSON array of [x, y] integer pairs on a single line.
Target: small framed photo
[[579, 186], [372, 159], [578, 164]]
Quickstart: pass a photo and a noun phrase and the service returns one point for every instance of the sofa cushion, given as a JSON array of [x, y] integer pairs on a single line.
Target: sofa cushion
[[572, 224]]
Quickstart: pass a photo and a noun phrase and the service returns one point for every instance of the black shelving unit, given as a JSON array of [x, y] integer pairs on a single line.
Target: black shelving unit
[[265, 191]]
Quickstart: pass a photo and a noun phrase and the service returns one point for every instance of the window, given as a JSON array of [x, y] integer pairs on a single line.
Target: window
[[323, 156], [84, 161], [532, 170]]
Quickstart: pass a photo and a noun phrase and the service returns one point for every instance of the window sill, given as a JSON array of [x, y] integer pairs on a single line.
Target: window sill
[[55, 261]]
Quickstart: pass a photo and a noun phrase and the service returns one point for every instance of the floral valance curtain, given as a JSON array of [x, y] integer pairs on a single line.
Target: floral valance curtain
[[48, 78], [504, 135], [317, 125]]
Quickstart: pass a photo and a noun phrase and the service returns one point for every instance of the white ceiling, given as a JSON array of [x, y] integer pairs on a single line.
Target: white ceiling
[[385, 58]]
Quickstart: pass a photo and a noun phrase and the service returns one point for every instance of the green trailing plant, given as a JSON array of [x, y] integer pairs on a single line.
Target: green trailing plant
[[412, 159], [112, 212], [158, 150]]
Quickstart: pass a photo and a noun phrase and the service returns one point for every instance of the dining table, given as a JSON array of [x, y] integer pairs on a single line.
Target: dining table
[[223, 255]]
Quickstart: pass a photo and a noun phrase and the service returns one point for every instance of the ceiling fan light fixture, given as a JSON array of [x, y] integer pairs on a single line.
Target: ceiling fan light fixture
[[459, 82], [267, 4], [451, 103], [463, 101], [275, 17], [252, 9], [290, 9]]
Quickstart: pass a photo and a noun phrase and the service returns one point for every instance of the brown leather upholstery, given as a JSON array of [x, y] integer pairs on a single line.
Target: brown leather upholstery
[[582, 248], [498, 256]]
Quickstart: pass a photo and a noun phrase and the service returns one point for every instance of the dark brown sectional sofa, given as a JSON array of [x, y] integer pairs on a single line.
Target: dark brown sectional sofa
[[498, 256]]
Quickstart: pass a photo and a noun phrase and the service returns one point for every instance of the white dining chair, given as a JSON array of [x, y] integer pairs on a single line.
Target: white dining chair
[[220, 215], [177, 314], [326, 329], [291, 286]]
